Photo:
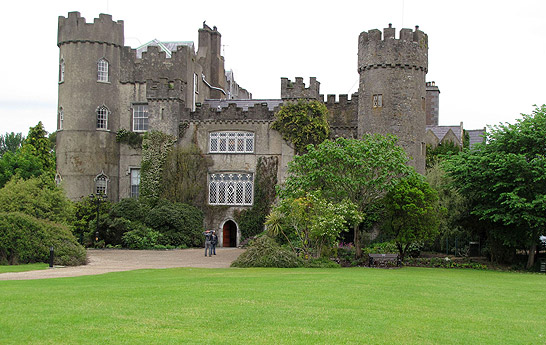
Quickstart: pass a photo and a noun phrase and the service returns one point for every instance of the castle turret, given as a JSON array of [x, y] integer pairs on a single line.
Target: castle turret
[[87, 154], [392, 87]]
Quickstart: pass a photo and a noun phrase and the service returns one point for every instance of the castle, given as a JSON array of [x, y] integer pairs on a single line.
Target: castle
[[105, 86]]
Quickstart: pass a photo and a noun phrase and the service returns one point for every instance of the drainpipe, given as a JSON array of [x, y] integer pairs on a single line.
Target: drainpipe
[[212, 87]]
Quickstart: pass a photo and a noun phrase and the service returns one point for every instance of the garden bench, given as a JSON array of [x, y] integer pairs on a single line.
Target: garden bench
[[383, 260]]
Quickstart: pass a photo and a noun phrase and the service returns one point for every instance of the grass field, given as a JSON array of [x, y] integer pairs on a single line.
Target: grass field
[[22, 268], [277, 306]]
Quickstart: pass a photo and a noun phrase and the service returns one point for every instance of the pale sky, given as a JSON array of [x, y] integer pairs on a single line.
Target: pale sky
[[487, 57]]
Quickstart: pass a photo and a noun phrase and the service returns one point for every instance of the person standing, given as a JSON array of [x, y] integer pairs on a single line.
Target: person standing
[[214, 242], [208, 242]]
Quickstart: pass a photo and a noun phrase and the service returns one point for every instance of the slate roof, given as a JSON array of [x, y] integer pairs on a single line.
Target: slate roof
[[167, 47], [441, 131], [243, 103], [476, 136]]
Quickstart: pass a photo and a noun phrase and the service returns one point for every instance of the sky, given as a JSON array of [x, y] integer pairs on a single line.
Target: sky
[[486, 57]]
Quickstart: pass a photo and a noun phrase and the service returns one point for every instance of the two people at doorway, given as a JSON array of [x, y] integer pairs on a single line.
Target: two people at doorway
[[211, 240]]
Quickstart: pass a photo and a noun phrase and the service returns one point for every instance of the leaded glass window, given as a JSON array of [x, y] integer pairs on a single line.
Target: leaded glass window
[[231, 142], [101, 184], [230, 189], [135, 183], [102, 70], [102, 117]]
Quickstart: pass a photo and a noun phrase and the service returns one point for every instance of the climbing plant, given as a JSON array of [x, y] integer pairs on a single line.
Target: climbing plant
[[251, 221], [155, 149], [132, 139], [303, 123]]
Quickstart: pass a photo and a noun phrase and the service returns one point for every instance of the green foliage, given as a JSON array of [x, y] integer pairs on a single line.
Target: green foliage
[[505, 181], [321, 262], [37, 197], [10, 142], [40, 145], [312, 223], [412, 212], [443, 263], [26, 239], [251, 221], [155, 149], [180, 225], [85, 214], [184, 176], [440, 152], [361, 171], [265, 252], [303, 123], [130, 138], [141, 237], [381, 248]]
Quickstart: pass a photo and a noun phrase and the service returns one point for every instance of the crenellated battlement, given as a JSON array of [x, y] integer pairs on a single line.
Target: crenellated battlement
[[103, 30], [384, 50], [259, 111], [297, 90]]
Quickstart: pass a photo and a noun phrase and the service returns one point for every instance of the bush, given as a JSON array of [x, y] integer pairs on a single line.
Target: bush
[[442, 263], [141, 237], [265, 252], [181, 225], [380, 248], [25, 239]]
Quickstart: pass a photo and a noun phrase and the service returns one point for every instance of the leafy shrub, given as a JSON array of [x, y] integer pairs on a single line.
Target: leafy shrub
[[130, 138], [181, 225], [320, 263], [129, 208], [265, 252], [141, 237], [380, 248], [25, 239]]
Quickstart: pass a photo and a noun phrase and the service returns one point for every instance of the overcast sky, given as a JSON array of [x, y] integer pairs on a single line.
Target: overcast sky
[[487, 57]]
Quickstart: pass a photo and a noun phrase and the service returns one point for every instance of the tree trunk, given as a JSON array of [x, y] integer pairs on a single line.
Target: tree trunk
[[531, 257], [358, 249]]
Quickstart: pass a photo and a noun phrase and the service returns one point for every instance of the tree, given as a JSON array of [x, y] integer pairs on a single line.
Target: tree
[[40, 144], [314, 222], [361, 171], [505, 179], [412, 212], [10, 142], [303, 123], [436, 154]]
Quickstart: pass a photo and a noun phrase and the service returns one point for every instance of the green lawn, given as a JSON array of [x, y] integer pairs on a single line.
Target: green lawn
[[277, 306], [23, 268]]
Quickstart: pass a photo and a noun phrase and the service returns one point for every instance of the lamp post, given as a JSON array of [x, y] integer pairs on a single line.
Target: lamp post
[[97, 199]]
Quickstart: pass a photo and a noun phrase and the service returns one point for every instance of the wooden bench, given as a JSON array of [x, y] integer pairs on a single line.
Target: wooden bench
[[383, 260]]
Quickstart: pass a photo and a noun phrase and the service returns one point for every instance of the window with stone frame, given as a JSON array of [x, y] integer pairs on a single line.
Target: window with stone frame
[[101, 184], [231, 142], [140, 117], [235, 189], [61, 71], [377, 101], [135, 182], [102, 117], [102, 70]]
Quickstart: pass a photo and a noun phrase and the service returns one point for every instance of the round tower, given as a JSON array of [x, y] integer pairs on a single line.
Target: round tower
[[392, 88], [88, 104]]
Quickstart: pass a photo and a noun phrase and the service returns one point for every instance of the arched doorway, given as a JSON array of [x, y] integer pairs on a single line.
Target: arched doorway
[[229, 234]]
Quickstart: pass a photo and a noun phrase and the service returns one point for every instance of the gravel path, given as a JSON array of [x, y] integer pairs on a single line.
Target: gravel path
[[116, 260]]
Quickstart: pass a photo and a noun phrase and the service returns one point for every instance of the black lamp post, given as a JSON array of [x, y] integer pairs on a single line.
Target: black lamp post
[[97, 199]]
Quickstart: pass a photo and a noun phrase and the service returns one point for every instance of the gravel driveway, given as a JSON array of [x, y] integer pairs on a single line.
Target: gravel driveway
[[115, 260]]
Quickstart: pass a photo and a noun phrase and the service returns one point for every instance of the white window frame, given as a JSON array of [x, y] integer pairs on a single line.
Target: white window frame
[[140, 117], [135, 182], [232, 189], [101, 183], [61, 117], [102, 113], [103, 73], [231, 142], [61, 71]]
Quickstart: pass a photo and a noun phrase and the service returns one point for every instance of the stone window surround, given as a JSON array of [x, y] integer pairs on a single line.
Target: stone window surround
[[231, 188], [239, 142], [134, 178], [102, 113], [103, 70], [377, 100], [61, 70], [101, 183]]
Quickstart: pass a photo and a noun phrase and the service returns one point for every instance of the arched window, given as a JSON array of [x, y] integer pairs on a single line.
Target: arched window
[[61, 118], [61, 71], [102, 117], [230, 189], [102, 70], [101, 183]]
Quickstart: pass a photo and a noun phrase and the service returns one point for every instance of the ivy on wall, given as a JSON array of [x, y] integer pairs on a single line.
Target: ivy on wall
[[303, 123], [155, 149], [130, 138], [251, 221]]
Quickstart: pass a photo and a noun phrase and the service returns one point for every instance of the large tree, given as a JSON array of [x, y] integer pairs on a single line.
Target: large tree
[[10, 142], [506, 180], [362, 171], [412, 212]]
